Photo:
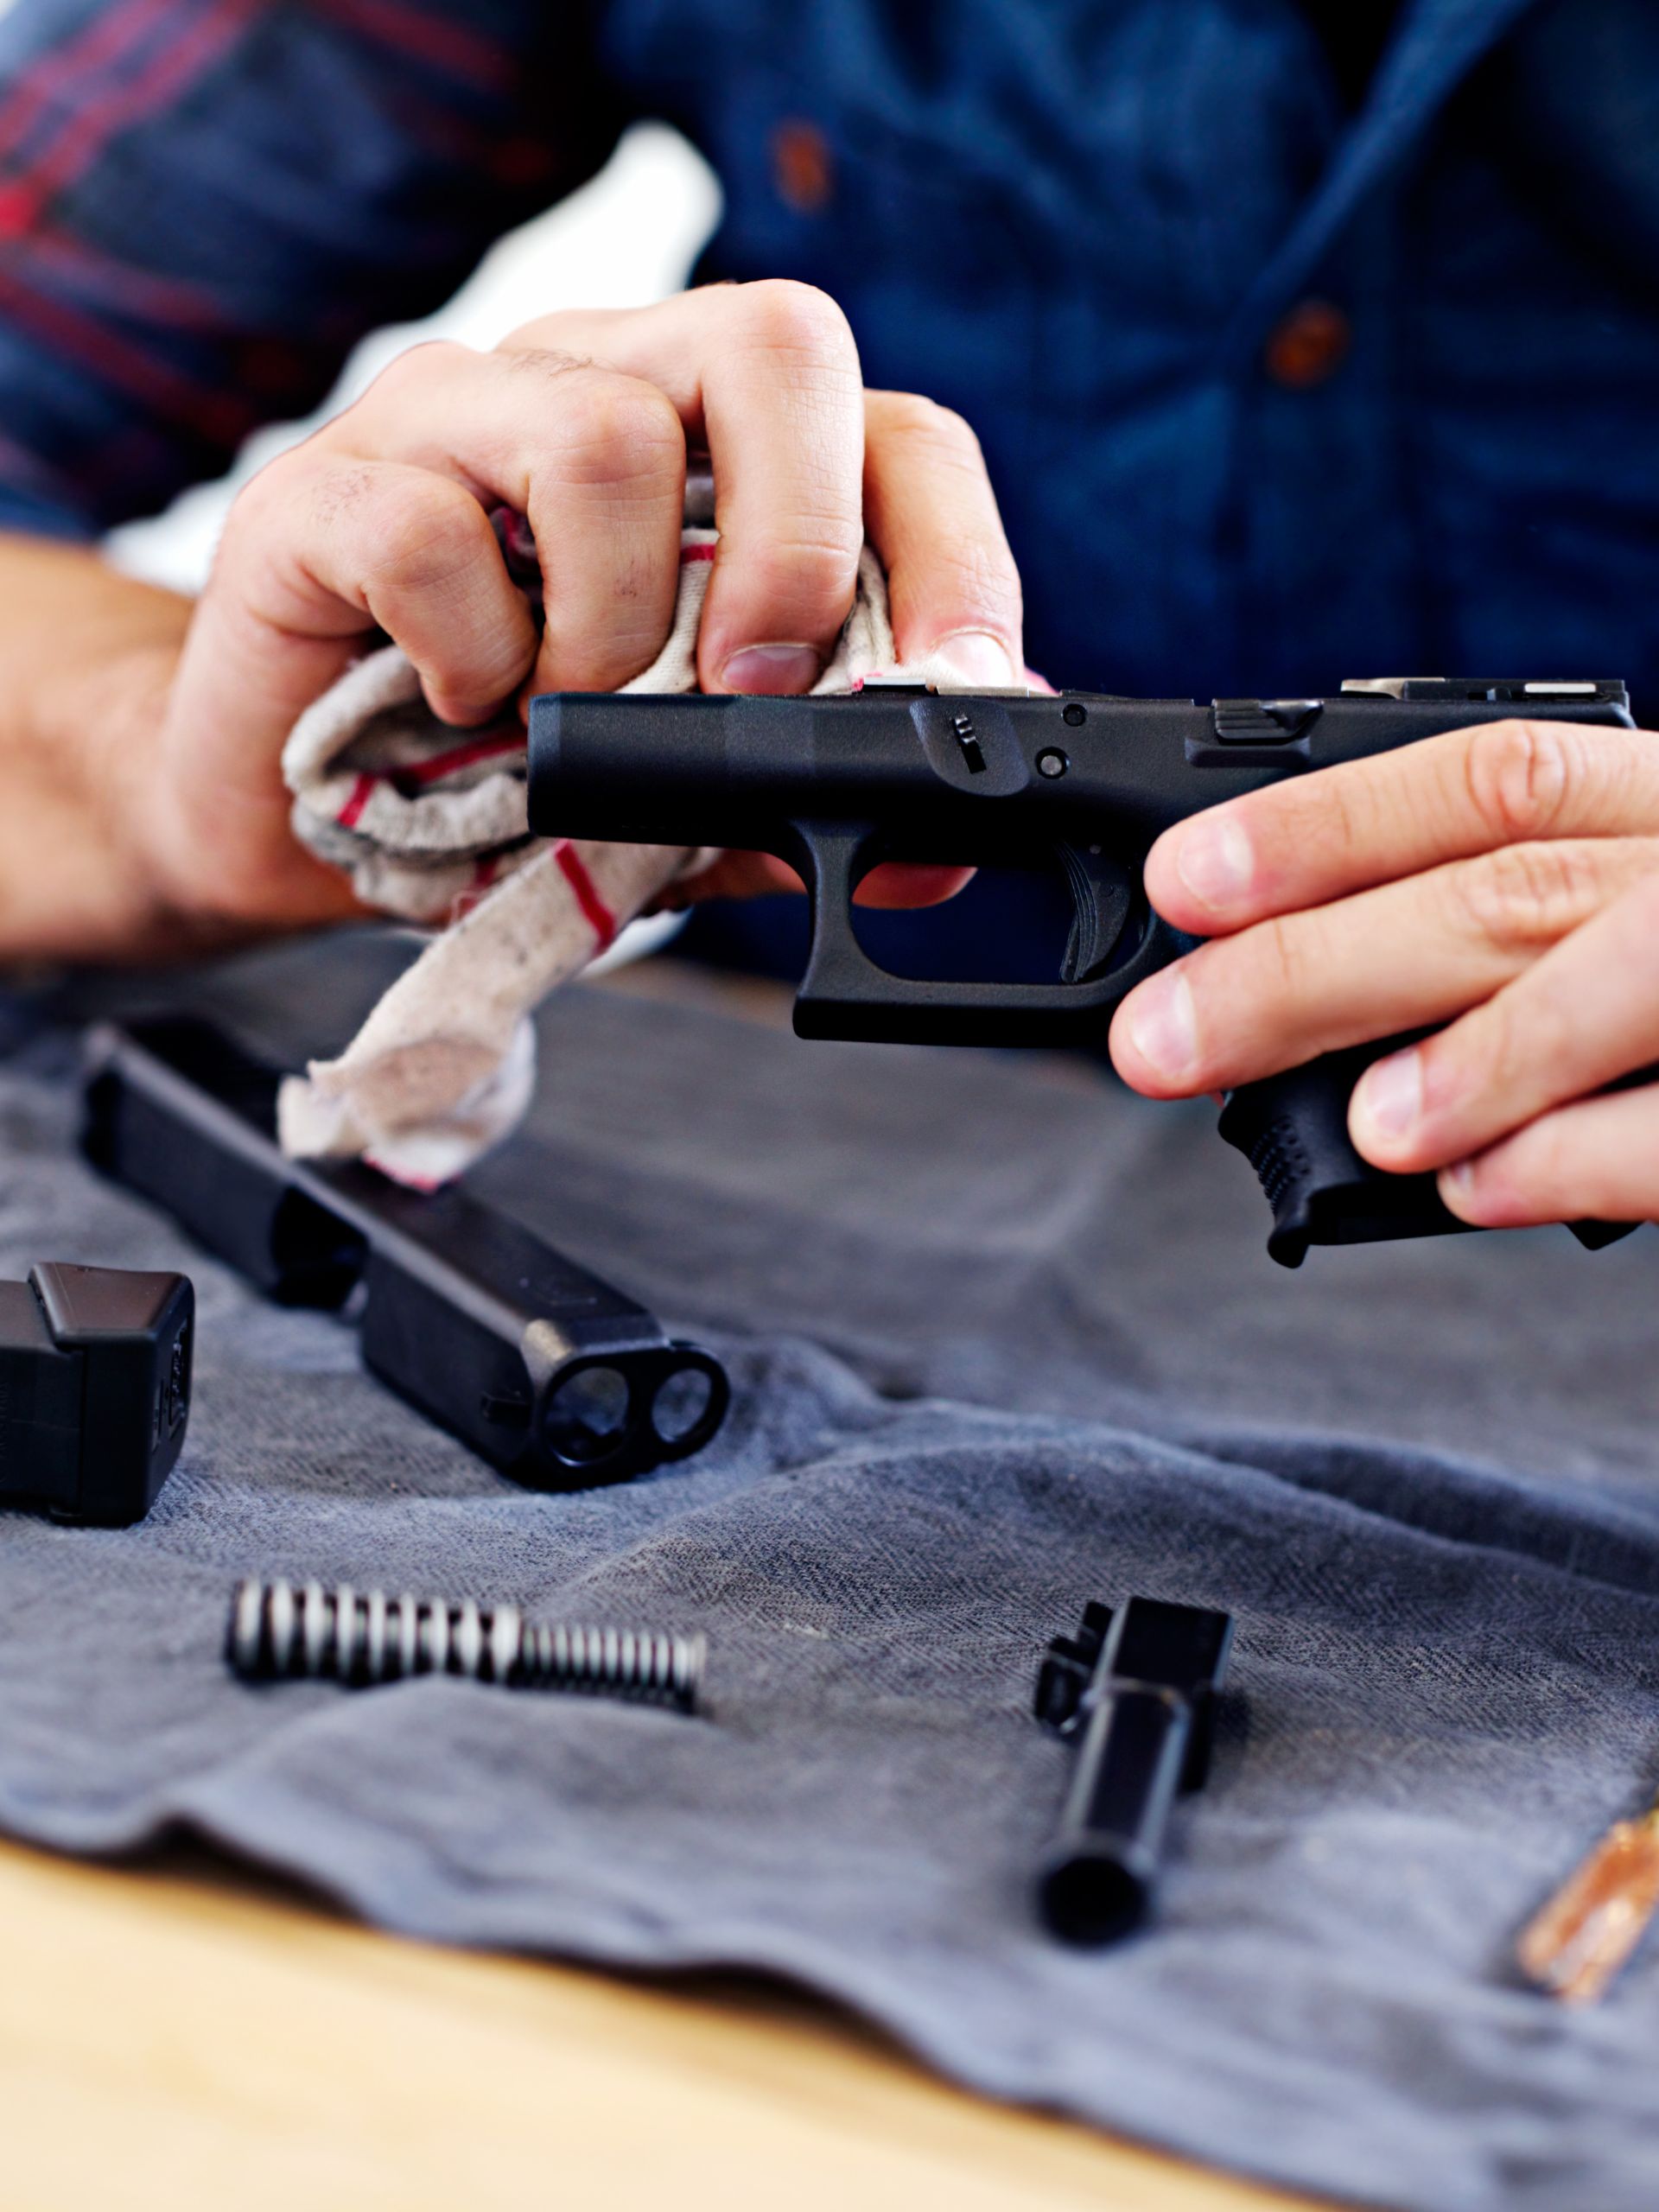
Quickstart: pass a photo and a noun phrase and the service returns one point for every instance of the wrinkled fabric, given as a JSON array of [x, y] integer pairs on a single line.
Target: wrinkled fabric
[[429, 823], [1003, 1339]]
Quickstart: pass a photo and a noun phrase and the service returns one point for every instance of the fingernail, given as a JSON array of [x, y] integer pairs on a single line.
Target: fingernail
[[1390, 1094], [1457, 1188], [772, 670], [1214, 861], [1162, 1026], [974, 656]]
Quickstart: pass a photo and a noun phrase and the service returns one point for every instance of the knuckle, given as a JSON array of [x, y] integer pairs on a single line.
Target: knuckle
[[415, 369], [1523, 896], [423, 531], [277, 485], [1334, 814], [1539, 1170], [980, 585], [335, 495], [1640, 901], [254, 501], [911, 418], [614, 429], [815, 560], [1282, 952], [789, 317], [547, 363], [265, 519], [1516, 775], [568, 333], [1513, 1042]]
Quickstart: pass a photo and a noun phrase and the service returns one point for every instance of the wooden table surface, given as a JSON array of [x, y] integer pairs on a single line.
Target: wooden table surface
[[178, 2037]]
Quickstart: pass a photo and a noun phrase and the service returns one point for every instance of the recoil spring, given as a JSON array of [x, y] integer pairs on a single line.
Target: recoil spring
[[361, 1638]]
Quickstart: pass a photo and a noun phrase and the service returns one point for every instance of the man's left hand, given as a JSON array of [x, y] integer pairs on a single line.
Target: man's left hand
[[1503, 881]]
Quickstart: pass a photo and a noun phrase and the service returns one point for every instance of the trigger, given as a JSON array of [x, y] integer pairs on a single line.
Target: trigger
[[1100, 906]]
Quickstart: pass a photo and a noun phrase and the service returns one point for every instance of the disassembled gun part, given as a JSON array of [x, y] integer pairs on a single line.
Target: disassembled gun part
[[94, 1390], [363, 1638], [549, 1373], [1134, 1689]]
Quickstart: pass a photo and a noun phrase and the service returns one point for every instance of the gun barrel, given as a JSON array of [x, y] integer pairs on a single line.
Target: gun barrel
[[1098, 1879], [934, 776], [1135, 1688], [978, 778], [697, 771]]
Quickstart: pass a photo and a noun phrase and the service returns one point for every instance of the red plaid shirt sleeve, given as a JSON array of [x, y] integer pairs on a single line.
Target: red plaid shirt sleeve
[[205, 203]]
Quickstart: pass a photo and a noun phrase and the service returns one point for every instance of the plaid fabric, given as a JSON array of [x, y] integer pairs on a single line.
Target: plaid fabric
[[204, 203], [1088, 225]]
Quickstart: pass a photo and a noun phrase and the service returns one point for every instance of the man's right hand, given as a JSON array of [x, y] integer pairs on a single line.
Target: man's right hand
[[379, 522]]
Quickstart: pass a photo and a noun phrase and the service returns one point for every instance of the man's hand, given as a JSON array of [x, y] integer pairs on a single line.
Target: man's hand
[[581, 421], [1503, 881]]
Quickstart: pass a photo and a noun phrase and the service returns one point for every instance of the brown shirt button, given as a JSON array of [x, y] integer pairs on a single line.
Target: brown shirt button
[[801, 166], [1310, 345]]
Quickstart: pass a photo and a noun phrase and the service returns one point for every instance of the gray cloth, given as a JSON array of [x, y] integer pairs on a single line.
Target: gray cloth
[[1003, 1340]]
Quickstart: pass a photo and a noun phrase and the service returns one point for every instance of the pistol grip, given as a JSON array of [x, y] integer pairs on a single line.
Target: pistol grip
[[1293, 1130]]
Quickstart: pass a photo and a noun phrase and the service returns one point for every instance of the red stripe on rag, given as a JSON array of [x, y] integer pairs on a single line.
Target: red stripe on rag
[[600, 916], [464, 901], [362, 791], [425, 1184], [458, 756], [689, 553]]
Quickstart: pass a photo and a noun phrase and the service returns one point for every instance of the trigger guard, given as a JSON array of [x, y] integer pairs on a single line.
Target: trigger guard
[[833, 862], [844, 993]]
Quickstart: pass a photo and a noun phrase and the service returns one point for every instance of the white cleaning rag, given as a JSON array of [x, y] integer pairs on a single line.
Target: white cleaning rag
[[430, 824]]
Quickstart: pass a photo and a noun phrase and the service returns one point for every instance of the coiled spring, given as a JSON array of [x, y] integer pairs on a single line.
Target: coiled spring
[[361, 1638]]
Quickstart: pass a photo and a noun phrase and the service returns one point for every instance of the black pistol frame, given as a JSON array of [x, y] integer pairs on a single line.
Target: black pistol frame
[[836, 785]]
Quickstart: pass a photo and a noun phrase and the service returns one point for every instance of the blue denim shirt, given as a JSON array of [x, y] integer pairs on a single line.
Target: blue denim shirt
[[1083, 223]]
